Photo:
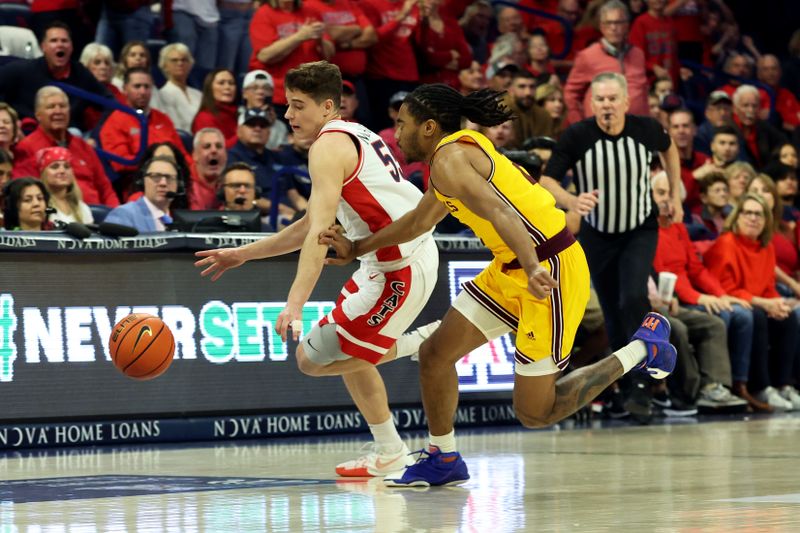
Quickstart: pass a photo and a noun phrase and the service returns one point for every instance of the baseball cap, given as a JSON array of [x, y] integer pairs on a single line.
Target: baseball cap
[[671, 102], [348, 87], [257, 76], [719, 96], [253, 115], [398, 98]]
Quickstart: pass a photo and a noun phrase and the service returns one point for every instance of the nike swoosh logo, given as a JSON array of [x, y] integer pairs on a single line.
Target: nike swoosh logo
[[311, 345], [142, 332], [373, 276], [380, 464]]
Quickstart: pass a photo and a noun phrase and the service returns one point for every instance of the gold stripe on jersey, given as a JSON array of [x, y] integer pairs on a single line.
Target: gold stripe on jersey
[[534, 205]]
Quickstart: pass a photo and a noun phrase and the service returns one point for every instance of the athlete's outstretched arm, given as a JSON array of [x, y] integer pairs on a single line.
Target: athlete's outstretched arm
[[331, 159], [217, 261], [457, 176], [428, 212]]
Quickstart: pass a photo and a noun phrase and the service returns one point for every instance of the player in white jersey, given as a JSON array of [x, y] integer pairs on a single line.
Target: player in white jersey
[[356, 180]]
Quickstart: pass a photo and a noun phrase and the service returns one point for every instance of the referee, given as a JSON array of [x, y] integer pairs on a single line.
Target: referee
[[610, 156]]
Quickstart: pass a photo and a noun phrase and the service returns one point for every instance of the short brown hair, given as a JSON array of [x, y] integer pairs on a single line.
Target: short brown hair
[[710, 179], [320, 80]]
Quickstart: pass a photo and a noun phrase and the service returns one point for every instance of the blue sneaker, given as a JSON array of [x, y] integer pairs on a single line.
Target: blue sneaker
[[433, 468], [661, 355]]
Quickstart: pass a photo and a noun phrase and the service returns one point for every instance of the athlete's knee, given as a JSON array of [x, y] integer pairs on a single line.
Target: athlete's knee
[[427, 353], [307, 366], [530, 420]]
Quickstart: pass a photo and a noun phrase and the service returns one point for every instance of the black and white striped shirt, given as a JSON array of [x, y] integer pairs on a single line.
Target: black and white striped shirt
[[618, 166]]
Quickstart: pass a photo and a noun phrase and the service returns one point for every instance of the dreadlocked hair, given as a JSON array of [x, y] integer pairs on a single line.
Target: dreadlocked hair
[[446, 106]]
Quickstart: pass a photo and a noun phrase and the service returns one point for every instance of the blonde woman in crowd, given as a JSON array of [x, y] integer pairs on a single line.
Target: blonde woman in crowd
[[55, 170]]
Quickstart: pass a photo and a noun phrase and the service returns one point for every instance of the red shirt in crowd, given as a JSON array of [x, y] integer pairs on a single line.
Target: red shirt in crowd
[[89, 174], [435, 52], [787, 106], [270, 25], [393, 56], [120, 135], [656, 38], [690, 183], [204, 194], [750, 139], [226, 120], [675, 253], [744, 268], [786, 255], [40, 6], [388, 136], [352, 62]]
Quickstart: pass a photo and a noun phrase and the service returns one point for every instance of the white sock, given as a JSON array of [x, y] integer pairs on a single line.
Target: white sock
[[386, 437], [631, 355], [409, 343], [446, 443]]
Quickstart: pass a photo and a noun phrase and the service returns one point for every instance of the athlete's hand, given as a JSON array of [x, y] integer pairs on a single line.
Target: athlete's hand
[[585, 202], [217, 261], [290, 315], [541, 283], [345, 248]]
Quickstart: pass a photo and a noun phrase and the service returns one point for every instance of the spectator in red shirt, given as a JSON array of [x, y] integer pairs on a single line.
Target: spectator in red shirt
[[654, 33], [284, 34], [682, 130], [351, 32], [218, 105], [444, 50], [743, 259], [786, 105], [210, 158], [120, 133], [611, 54], [53, 114], [760, 137], [392, 61], [785, 251]]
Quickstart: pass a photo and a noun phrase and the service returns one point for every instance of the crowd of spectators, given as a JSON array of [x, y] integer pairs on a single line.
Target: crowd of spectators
[[207, 78]]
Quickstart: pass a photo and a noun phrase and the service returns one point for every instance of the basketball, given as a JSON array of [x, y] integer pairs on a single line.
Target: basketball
[[141, 346]]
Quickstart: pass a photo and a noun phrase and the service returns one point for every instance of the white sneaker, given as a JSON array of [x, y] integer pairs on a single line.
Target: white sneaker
[[376, 464], [412, 340], [716, 395], [771, 396], [790, 393]]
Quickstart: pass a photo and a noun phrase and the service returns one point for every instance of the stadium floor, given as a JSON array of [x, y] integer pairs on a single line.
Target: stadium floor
[[711, 475]]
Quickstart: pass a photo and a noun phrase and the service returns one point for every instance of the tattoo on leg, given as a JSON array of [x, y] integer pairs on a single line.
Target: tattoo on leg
[[582, 386]]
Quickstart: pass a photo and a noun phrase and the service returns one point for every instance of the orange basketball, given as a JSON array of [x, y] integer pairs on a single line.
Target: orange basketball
[[141, 346]]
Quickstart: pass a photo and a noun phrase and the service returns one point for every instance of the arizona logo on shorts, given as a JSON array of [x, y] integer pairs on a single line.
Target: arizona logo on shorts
[[389, 304]]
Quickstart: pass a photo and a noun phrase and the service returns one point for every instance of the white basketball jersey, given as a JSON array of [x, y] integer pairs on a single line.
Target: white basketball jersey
[[375, 195]]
